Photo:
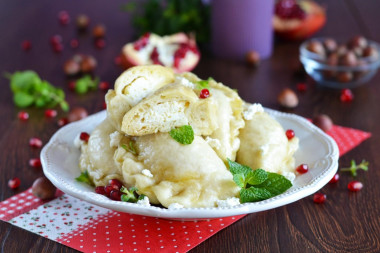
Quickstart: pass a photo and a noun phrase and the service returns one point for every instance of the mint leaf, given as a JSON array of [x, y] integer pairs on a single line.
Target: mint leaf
[[23, 81], [257, 177], [237, 168], [354, 168], [275, 184], [129, 148], [128, 195], [22, 99], [183, 134], [239, 179], [253, 194], [84, 178]]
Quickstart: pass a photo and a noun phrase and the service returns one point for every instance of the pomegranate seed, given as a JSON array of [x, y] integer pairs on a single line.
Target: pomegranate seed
[[290, 134], [154, 56], [62, 121], [346, 95], [72, 85], [74, 43], [142, 42], [64, 17], [100, 190], [115, 183], [84, 136], [334, 179], [302, 169], [104, 105], [100, 43], [205, 93], [35, 142], [23, 115], [288, 9], [115, 195], [14, 183], [26, 45], [354, 186], [104, 86], [301, 87], [56, 39], [57, 48], [50, 113], [109, 188], [35, 163], [117, 60], [319, 198]]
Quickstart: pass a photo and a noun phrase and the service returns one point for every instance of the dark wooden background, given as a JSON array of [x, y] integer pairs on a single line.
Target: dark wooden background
[[347, 222]]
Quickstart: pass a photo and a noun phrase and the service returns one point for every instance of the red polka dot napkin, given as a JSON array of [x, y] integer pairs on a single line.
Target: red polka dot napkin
[[90, 228]]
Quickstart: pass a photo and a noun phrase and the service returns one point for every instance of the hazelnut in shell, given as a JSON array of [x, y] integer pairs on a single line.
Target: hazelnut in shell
[[330, 45], [76, 114], [252, 58], [323, 121], [316, 47], [287, 98], [43, 189], [71, 67], [99, 31]]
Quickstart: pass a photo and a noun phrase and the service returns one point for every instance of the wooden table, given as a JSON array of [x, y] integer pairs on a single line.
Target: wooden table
[[347, 222]]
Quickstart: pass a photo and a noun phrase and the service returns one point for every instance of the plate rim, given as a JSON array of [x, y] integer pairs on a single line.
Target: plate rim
[[290, 196]]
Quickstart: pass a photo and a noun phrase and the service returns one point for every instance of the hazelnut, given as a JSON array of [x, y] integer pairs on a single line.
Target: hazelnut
[[88, 64], [371, 52], [341, 50], [71, 67], [358, 41], [99, 31], [316, 47], [323, 121], [42, 188], [344, 77], [349, 59], [332, 59], [287, 98], [82, 22], [330, 45], [252, 58], [76, 114]]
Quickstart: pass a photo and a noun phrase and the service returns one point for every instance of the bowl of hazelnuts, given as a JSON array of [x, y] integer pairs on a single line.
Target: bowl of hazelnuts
[[341, 66]]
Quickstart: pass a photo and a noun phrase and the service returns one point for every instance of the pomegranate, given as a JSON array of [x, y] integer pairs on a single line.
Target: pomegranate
[[35, 142], [50, 113], [319, 198], [290, 134], [84, 136], [334, 179], [35, 163], [354, 186], [14, 183], [26, 45], [346, 96], [22, 115], [205, 93], [298, 20], [302, 169], [178, 51]]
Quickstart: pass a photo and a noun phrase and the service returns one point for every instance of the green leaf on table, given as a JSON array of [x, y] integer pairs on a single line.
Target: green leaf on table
[[23, 81], [183, 134], [354, 168]]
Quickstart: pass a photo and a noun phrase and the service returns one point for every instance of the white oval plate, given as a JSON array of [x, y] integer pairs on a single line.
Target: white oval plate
[[60, 159]]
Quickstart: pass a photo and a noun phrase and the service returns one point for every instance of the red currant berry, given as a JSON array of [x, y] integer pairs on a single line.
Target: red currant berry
[[35, 142], [290, 134], [302, 169], [115, 195], [319, 198], [354, 186], [14, 183], [116, 183], [205, 93], [346, 96], [104, 86], [50, 113], [26, 45], [334, 179], [301, 87], [84, 136], [35, 163], [74, 43], [63, 121], [64, 17], [100, 190], [23, 115]]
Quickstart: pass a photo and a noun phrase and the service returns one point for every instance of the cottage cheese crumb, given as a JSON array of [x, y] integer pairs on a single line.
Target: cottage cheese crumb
[[214, 143], [147, 173], [289, 175], [115, 139], [185, 82], [228, 202], [252, 110], [144, 201], [77, 141], [175, 206]]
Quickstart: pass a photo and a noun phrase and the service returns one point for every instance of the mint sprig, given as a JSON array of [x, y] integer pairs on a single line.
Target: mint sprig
[[129, 195], [129, 148], [257, 185], [28, 89], [203, 84], [85, 178], [183, 134], [85, 84], [354, 168]]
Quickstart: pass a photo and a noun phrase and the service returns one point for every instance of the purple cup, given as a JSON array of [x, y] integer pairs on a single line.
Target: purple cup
[[239, 26]]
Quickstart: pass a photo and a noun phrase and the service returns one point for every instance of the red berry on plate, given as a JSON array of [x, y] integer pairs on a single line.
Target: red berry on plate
[[334, 179], [302, 169], [50, 113], [116, 183], [346, 95], [109, 188], [302, 87], [14, 183], [26, 45], [35, 142], [23, 115], [205, 93], [63, 121], [290, 134], [104, 86], [319, 198], [84, 136], [35, 163], [100, 190], [74, 43], [354, 186], [64, 17], [115, 195]]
